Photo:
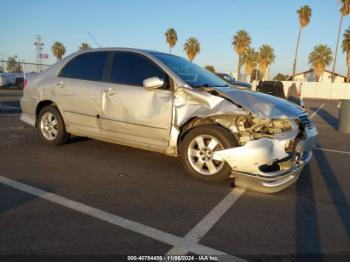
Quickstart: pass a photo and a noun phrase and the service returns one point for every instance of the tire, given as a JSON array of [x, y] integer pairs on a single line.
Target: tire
[[51, 127], [196, 150]]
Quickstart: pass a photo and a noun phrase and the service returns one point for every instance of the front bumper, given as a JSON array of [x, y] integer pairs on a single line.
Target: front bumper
[[273, 182], [264, 165]]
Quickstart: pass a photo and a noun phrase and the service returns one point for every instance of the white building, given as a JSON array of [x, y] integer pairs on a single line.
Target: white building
[[326, 77]]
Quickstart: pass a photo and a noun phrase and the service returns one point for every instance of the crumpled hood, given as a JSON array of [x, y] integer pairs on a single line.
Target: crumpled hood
[[260, 104]]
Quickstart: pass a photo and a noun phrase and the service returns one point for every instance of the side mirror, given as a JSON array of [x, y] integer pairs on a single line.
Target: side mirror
[[153, 83]]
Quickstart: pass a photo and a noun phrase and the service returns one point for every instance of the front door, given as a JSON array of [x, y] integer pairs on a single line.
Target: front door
[[129, 111]]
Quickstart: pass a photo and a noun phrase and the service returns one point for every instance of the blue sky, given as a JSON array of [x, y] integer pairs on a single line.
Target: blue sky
[[141, 24]]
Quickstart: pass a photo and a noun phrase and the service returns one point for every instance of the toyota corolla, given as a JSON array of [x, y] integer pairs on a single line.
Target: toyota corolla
[[164, 103]]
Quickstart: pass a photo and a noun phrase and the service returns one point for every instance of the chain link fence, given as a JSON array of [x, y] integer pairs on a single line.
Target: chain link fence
[[25, 66]]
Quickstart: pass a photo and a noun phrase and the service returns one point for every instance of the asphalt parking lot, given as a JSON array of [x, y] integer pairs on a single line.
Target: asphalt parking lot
[[94, 198]]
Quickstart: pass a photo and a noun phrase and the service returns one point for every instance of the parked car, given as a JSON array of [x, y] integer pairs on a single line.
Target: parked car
[[19, 82], [3, 80], [11, 79], [232, 81], [164, 103], [276, 88]]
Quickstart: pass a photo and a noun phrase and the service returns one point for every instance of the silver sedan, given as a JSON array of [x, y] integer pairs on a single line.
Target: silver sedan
[[164, 103]]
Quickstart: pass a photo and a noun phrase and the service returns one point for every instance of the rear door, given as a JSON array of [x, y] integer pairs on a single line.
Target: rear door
[[131, 112], [78, 90]]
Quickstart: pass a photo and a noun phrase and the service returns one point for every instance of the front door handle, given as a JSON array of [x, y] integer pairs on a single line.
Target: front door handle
[[111, 91], [60, 84]]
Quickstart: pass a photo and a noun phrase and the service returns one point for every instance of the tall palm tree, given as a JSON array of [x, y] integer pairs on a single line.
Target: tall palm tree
[[241, 41], [266, 58], [171, 38], [344, 11], [304, 13], [192, 47], [250, 59], [346, 49], [58, 50], [84, 46], [319, 58]]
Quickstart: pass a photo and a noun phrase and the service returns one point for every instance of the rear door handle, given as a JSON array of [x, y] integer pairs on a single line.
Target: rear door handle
[[60, 84], [111, 91]]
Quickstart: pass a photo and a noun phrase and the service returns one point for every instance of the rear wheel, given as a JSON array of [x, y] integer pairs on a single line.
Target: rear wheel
[[197, 150], [51, 126]]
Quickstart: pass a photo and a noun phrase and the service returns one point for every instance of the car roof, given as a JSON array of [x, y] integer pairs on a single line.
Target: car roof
[[126, 49]]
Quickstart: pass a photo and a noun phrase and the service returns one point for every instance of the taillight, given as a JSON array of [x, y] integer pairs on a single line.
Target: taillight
[[25, 83]]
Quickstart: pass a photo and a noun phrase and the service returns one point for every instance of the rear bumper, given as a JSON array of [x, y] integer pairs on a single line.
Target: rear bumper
[[272, 183], [28, 105], [28, 119]]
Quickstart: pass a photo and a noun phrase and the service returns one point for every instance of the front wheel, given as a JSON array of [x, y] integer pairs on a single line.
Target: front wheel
[[51, 126], [197, 150]]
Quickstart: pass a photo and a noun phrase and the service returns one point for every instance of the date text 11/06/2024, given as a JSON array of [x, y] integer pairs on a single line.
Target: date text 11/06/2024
[[173, 258]]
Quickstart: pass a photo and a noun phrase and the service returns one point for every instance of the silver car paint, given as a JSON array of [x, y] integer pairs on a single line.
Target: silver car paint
[[109, 114]]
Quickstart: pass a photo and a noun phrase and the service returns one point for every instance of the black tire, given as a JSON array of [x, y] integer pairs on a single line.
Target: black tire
[[62, 136], [222, 135]]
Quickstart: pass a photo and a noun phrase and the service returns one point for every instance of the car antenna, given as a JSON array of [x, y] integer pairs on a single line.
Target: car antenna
[[93, 38]]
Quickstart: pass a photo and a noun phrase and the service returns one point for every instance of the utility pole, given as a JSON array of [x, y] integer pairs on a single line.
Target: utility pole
[[38, 47]]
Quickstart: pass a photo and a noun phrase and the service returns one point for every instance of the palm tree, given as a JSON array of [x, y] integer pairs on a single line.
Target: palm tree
[[192, 47], [58, 50], [250, 59], [13, 66], [319, 58], [304, 13], [266, 58], [171, 38], [241, 41], [84, 46], [344, 11], [256, 75], [346, 49], [210, 68], [281, 77]]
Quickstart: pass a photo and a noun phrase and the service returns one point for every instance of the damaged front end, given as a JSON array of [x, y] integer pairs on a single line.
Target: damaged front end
[[272, 153], [275, 138]]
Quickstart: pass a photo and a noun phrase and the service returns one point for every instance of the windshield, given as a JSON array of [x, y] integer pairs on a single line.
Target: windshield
[[191, 73]]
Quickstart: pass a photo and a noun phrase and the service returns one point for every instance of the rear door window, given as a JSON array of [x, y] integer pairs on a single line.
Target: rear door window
[[88, 66]]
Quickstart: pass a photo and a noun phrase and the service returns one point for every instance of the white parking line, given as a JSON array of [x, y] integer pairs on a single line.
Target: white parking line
[[9, 107], [316, 111], [332, 150], [148, 231], [208, 221]]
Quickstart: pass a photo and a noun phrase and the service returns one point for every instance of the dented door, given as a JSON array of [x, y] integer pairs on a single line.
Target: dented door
[[132, 113], [136, 114]]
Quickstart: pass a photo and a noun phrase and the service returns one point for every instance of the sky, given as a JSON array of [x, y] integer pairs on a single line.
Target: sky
[[142, 24]]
